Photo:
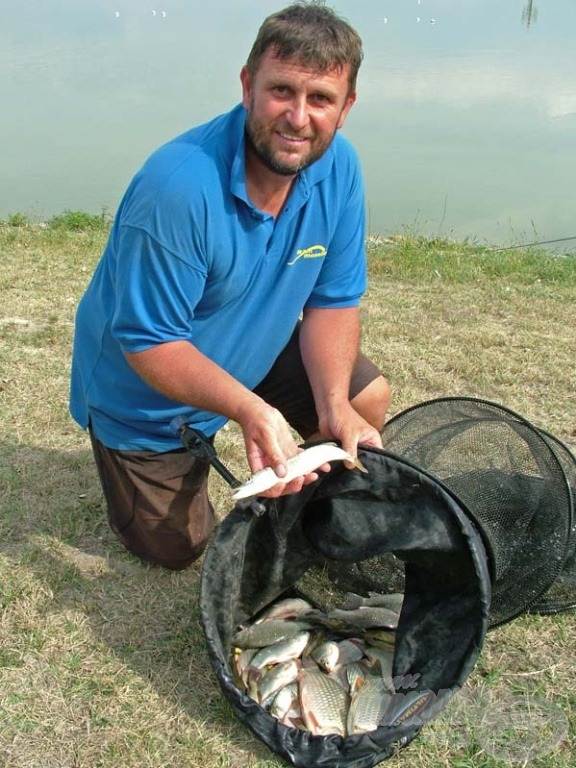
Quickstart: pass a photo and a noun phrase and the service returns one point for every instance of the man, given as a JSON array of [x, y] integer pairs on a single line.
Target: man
[[229, 236]]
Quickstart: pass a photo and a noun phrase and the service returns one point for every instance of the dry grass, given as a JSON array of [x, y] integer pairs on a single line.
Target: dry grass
[[102, 660]]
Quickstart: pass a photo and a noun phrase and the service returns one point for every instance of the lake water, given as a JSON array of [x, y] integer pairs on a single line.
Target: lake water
[[465, 119]]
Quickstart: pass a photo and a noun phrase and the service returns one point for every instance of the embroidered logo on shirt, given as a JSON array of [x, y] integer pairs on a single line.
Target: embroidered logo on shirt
[[314, 252]]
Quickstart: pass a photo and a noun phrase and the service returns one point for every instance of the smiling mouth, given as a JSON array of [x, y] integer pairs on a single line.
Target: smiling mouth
[[292, 139]]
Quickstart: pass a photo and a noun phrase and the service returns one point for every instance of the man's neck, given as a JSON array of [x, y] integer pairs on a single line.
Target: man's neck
[[267, 190]]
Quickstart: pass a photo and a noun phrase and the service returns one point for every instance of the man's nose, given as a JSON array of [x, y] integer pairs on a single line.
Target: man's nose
[[297, 115]]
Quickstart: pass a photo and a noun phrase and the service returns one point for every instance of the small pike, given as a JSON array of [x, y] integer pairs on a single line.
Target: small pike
[[380, 638], [301, 464], [366, 617], [406, 708]]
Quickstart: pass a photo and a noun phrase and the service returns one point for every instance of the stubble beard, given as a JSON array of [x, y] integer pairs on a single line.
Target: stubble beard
[[258, 142]]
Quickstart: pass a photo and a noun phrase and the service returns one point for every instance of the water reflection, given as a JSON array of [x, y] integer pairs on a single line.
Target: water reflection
[[466, 127], [530, 13]]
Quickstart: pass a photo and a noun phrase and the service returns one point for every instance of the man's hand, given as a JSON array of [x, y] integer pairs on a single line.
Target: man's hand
[[346, 425], [269, 443]]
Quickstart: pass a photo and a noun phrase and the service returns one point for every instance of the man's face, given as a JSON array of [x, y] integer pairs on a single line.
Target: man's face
[[293, 112]]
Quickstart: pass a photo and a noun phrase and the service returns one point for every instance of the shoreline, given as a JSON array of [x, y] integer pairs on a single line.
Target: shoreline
[[82, 221]]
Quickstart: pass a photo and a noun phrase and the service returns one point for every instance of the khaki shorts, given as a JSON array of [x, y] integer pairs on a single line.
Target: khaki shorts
[[158, 503]]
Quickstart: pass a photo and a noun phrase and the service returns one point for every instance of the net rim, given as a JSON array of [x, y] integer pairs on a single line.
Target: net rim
[[537, 604]]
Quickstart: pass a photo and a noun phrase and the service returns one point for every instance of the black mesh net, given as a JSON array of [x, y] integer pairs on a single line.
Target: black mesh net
[[516, 482], [395, 529], [561, 596], [468, 512]]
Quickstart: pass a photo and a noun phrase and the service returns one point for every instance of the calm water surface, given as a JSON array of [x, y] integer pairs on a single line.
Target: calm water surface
[[465, 119]]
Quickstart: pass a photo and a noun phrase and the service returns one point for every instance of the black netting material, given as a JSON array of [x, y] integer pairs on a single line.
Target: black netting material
[[349, 525], [517, 483], [468, 510]]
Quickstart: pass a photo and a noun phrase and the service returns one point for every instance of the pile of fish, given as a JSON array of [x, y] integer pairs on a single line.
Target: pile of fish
[[323, 672]]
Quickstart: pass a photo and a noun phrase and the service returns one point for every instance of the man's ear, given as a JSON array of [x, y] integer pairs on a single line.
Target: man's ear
[[246, 80], [347, 107]]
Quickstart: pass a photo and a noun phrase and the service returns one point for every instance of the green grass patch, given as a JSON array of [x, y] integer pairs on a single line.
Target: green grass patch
[[103, 661], [437, 260]]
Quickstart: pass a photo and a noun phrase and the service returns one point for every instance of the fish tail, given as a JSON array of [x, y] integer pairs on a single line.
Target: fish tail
[[358, 464]]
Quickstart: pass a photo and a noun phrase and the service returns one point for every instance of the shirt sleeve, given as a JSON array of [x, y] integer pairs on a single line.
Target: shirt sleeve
[[342, 280], [159, 291]]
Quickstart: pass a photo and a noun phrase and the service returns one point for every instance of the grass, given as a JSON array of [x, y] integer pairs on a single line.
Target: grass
[[102, 660]]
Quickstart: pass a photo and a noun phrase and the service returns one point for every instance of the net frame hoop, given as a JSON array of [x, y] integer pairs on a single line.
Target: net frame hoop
[[547, 438]]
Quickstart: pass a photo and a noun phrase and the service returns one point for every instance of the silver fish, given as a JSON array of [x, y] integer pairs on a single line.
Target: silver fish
[[393, 601], [355, 676], [283, 650], [366, 617], [285, 701], [253, 678], [327, 655], [343, 678], [241, 663], [267, 633], [383, 660], [289, 608], [301, 464], [293, 718], [324, 703], [368, 706], [332, 654], [276, 678], [339, 674], [349, 651]]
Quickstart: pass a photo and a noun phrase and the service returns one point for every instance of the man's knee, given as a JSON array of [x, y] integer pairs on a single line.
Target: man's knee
[[373, 401], [184, 557], [157, 504], [170, 534]]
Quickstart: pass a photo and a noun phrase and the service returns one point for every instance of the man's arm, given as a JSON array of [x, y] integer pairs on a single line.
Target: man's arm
[[181, 372], [329, 343]]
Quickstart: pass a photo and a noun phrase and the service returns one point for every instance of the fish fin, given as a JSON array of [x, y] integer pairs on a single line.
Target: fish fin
[[358, 464], [297, 722]]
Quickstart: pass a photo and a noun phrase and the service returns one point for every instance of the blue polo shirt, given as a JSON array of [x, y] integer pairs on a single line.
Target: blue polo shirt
[[191, 258]]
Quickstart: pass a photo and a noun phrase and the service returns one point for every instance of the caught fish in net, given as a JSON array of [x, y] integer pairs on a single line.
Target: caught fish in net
[[322, 672], [315, 650], [341, 619]]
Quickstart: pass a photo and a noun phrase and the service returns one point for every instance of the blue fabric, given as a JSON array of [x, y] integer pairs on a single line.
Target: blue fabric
[[190, 258]]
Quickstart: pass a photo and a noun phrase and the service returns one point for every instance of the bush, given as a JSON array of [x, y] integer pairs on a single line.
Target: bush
[[18, 220], [79, 221]]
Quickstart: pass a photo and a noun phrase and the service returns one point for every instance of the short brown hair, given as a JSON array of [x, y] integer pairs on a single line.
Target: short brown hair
[[313, 34]]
